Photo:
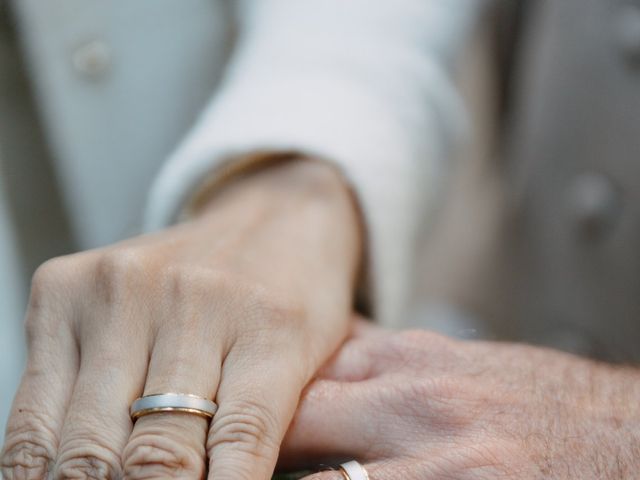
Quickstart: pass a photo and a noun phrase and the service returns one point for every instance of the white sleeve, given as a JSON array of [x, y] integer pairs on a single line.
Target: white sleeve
[[361, 83]]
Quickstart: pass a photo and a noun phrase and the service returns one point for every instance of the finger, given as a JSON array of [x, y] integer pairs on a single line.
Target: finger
[[372, 419], [354, 362], [38, 411], [356, 358], [171, 445], [257, 398], [364, 355], [373, 352], [97, 424], [334, 420]]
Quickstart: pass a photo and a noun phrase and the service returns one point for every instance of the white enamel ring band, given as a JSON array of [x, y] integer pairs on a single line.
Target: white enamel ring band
[[354, 471], [172, 402]]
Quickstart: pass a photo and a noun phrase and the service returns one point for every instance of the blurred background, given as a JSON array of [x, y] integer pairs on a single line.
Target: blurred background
[[536, 235]]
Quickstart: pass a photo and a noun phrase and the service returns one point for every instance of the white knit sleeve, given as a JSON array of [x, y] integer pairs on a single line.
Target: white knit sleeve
[[361, 83]]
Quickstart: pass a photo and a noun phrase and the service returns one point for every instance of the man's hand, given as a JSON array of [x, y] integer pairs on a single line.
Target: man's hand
[[242, 304], [418, 406]]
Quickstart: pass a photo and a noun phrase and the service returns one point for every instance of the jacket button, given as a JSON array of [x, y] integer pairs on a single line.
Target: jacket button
[[594, 205], [92, 60], [628, 32]]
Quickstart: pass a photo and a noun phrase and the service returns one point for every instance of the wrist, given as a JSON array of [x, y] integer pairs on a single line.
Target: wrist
[[277, 179], [296, 212]]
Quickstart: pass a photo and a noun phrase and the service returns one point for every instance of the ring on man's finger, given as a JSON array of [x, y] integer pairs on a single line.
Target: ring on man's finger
[[353, 471]]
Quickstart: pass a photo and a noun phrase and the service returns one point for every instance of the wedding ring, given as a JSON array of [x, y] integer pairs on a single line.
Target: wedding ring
[[354, 471], [172, 402]]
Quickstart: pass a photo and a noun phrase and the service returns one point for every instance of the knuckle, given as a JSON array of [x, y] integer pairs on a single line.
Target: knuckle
[[51, 280], [30, 442], [117, 271], [191, 285], [191, 294], [156, 456], [88, 460], [187, 285], [49, 272], [245, 427], [85, 467], [27, 451]]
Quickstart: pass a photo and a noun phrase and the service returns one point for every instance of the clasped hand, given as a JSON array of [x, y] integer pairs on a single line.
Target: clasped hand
[[419, 406], [232, 305]]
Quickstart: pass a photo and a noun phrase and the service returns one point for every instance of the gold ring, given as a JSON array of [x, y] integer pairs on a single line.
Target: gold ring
[[172, 402]]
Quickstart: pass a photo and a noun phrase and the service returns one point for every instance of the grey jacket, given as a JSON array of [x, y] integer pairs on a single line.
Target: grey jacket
[[575, 157], [554, 223]]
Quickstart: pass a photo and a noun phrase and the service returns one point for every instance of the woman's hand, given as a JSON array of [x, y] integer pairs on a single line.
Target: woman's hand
[[418, 406], [242, 304]]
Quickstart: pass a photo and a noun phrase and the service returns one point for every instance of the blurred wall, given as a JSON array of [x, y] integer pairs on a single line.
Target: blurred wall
[[11, 337]]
